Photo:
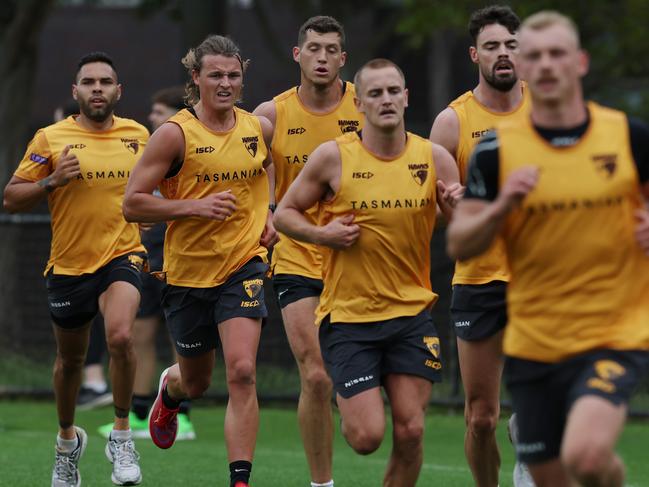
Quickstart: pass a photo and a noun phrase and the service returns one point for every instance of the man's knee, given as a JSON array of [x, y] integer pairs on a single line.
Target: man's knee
[[409, 433], [241, 372], [317, 382], [363, 439], [69, 363], [589, 463], [481, 418], [119, 338]]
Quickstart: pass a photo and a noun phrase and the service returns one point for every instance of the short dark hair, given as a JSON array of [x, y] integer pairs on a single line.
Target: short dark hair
[[322, 24], [494, 14], [377, 63], [95, 57], [172, 97]]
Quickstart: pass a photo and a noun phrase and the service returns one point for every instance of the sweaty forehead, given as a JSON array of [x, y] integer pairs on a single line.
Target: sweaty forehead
[[327, 38], [555, 35], [96, 70], [218, 62], [495, 33], [380, 78]]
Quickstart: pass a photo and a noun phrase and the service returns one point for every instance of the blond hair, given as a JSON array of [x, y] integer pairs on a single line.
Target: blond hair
[[548, 18], [215, 45]]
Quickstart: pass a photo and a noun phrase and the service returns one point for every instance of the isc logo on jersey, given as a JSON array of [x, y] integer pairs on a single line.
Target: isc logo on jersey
[[296, 131], [204, 150]]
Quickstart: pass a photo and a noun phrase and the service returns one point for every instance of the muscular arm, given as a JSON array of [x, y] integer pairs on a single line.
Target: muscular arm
[[22, 195], [269, 236], [166, 146], [449, 189], [446, 131], [319, 180], [480, 215]]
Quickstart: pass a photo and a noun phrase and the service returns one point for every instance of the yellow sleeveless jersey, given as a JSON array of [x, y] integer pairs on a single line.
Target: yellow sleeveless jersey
[[298, 132], [88, 228], [203, 253], [386, 273], [475, 121], [579, 279]]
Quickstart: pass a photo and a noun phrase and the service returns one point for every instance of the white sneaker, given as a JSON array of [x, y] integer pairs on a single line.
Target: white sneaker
[[521, 476], [124, 457], [66, 465]]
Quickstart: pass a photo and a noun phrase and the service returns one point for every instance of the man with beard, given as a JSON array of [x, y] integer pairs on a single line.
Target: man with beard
[[82, 165], [567, 188], [478, 308], [321, 108]]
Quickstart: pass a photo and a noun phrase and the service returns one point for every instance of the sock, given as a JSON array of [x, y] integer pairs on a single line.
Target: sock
[[140, 405], [185, 406], [67, 446], [168, 401], [240, 472], [120, 435], [326, 484]]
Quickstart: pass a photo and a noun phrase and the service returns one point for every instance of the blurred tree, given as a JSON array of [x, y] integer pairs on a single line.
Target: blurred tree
[[614, 33]]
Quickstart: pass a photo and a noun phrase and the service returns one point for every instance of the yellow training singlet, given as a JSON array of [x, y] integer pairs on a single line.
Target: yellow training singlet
[[88, 228], [203, 253], [386, 273], [475, 121], [579, 278], [297, 133]]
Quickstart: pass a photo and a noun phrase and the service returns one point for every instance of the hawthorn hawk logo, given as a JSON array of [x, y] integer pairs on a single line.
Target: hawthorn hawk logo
[[253, 287], [606, 164], [132, 145], [432, 344], [251, 143], [419, 172]]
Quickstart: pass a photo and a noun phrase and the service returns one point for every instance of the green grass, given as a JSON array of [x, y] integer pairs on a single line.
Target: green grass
[[28, 429]]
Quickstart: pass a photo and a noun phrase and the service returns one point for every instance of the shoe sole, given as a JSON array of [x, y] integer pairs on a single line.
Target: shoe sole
[[161, 382], [112, 475], [99, 401]]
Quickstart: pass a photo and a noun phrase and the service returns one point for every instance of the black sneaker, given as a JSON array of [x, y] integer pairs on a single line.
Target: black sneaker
[[89, 398]]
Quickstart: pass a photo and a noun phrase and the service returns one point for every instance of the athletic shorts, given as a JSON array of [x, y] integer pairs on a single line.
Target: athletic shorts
[[359, 355], [291, 287], [543, 393], [151, 302], [74, 300], [193, 314], [479, 311]]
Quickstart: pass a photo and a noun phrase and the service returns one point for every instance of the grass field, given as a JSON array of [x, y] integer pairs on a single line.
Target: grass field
[[27, 433]]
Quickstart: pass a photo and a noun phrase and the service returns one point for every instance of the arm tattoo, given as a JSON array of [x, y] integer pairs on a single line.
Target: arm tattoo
[[45, 183]]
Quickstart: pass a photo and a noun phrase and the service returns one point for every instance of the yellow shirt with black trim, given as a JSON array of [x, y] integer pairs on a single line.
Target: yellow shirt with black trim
[[203, 253], [580, 281], [88, 228], [298, 131], [386, 273], [476, 120]]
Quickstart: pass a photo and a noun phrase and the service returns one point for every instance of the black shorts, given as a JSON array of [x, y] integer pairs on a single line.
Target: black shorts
[[479, 311], [151, 301], [74, 300], [543, 393], [291, 287], [193, 314], [359, 355]]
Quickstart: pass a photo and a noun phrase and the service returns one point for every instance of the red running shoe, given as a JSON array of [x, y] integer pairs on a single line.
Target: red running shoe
[[163, 422], [241, 484]]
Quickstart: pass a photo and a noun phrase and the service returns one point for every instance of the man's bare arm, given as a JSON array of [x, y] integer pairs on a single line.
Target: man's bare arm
[[446, 131], [166, 146]]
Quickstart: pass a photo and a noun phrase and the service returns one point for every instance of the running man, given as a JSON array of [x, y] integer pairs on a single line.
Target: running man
[[478, 306], [321, 108], [82, 165], [208, 161], [378, 191], [567, 188]]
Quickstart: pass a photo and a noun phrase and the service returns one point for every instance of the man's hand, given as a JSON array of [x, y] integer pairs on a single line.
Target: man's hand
[[340, 233], [67, 168], [517, 186], [269, 236], [217, 206], [451, 194], [642, 229]]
